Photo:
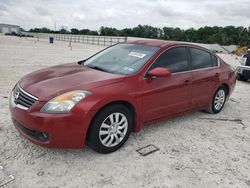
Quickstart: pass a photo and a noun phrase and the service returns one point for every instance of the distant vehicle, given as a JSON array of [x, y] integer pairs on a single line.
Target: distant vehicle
[[18, 34], [100, 100], [243, 70]]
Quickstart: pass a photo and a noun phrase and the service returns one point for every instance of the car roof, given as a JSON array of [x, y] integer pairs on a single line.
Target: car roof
[[152, 42], [164, 43]]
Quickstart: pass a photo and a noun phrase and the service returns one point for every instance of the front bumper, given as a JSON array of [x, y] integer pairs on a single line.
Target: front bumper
[[52, 130]]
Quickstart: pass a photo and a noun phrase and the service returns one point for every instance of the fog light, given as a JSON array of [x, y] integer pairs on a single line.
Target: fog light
[[45, 136]]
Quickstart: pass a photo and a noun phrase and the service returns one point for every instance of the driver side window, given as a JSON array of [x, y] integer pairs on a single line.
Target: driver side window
[[175, 59]]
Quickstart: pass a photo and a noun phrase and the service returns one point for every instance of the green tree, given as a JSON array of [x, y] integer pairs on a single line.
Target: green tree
[[74, 31], [109, 31]]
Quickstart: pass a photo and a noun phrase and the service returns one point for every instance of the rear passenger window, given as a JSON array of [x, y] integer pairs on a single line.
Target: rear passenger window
[[214, 61], [200, 59], [174, 59]]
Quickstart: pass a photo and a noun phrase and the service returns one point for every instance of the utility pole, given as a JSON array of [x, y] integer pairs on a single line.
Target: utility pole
[[55, 26]]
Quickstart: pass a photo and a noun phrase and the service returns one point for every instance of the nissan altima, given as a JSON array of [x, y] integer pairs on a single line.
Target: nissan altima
[[99, 101]]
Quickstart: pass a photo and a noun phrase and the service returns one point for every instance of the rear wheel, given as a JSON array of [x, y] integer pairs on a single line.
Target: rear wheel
[[218, 100], [110, 129]]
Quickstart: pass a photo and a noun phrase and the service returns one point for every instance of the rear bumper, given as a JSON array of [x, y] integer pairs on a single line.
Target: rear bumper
[[52, 130]]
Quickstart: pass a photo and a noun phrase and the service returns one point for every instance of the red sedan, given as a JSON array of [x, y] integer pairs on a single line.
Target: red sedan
[[100, 100]]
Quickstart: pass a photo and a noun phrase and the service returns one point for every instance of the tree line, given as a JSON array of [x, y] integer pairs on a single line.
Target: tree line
[[222, 35]]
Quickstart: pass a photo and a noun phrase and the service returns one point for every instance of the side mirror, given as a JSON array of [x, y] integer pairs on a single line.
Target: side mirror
[[160, 72]]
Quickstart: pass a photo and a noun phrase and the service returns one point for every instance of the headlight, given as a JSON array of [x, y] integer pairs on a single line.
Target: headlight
[[65, 102]]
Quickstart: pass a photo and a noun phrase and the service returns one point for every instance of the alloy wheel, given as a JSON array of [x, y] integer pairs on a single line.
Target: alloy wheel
[[113, 129], [219, 99]]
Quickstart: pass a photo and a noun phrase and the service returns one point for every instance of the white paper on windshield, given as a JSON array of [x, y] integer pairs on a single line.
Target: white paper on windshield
[[137, 54], [128, 69]]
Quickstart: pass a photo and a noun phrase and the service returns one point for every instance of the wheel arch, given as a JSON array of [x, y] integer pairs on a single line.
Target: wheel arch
[[127, 104], [208, 108], [227, 88]]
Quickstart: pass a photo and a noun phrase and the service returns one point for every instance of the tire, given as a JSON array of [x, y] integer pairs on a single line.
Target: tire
[[241, 77], [114, 122], [218, 100]]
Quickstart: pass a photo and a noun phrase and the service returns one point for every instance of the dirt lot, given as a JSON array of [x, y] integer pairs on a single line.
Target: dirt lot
[[196, 150]]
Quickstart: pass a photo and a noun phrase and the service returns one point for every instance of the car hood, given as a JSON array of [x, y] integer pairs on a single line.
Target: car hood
[[53, 81]]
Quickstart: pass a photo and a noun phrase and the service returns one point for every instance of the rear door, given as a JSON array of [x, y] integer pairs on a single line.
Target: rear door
[[205, 73]]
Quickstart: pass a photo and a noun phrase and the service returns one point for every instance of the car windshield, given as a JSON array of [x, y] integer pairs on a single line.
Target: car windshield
[[122, 58]]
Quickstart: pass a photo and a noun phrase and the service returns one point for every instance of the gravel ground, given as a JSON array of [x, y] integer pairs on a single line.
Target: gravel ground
[[196, 150]]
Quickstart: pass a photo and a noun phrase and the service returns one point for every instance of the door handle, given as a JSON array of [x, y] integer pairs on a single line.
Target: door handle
[[186, 82]]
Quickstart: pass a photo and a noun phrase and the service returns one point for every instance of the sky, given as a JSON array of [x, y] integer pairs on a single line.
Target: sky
[[92, 14]]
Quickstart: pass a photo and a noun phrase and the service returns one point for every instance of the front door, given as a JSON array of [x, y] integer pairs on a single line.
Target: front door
[[166, 96]]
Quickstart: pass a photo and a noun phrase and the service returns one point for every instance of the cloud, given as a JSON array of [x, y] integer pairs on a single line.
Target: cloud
[[3, 8], [231, 9], [121, 14], [42, 11], [79, 17]]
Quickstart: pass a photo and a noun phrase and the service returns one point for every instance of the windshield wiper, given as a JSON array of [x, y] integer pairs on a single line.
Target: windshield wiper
[[97, 68]]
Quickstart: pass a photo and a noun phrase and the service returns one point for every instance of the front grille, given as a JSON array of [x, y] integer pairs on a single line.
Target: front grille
[[22, 98]]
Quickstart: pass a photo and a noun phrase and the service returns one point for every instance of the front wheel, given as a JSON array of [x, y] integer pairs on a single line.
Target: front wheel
[[110, 129], [218, 100]]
